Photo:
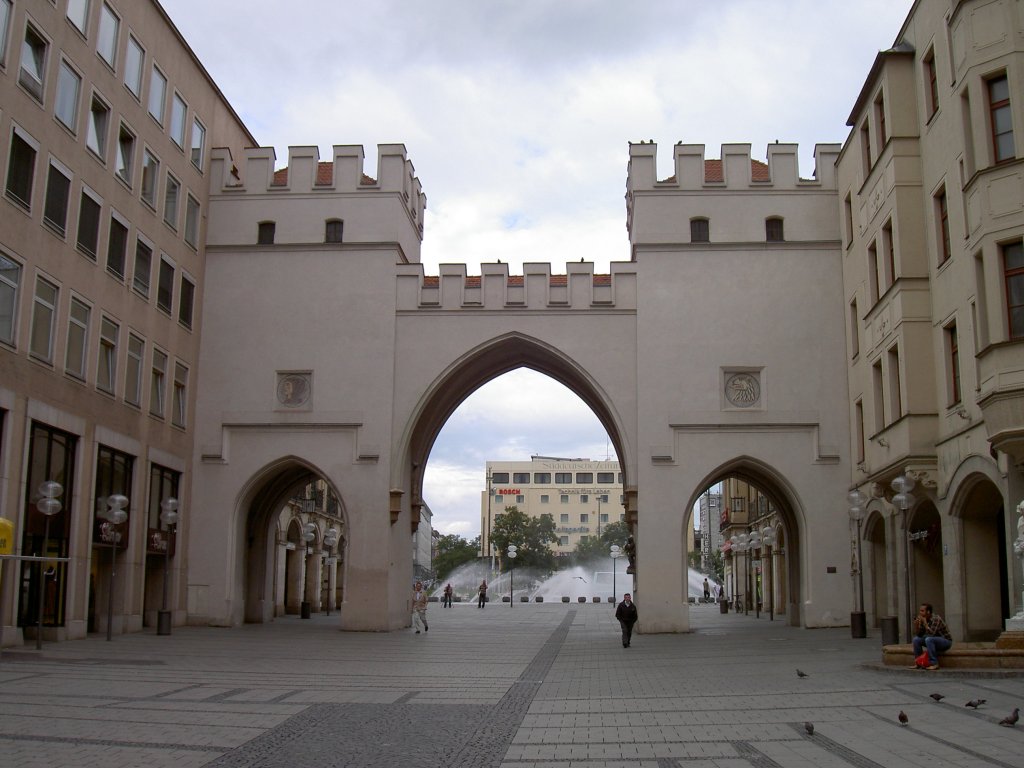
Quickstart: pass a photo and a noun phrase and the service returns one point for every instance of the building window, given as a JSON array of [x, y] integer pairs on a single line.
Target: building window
[[106, 369], [952, 362], [117, 248], [10, 278], [544, 498], [584, 477], [78, 14], [333, 231], [865, 146], [931, 84], [605, 477], [584, 498], [563, 478], [186, 299], [700, 230], [265, 235], [191, 220], [157, 95], [858, 409], [150, 174], [163, 484], [942, 219], [157, 384], [125, 160], [889, 250], [21, 169], [32, 74], [1001, 119], [5, 18], [114, 472], [521, 478], [542, 478], [854, 330], [44, 310], [133, 370], [499, 478], [563, 541], [773, 230], [198, 148], [895, 396], [880, 120], [172, 194], [69, 85], [180, 406], [564, 517], [520, 499], [584, 517], [848, 219], [873, 282], [78, 336], [178, 113], [134, 59], [878, 388], [106, 40], [58, 194], [96, 135], [143, 264], [563, 499], [1013, 274], [88, 225], [165, 286]]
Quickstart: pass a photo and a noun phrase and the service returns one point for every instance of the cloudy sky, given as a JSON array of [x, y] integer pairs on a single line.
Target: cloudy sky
[[517, 115]]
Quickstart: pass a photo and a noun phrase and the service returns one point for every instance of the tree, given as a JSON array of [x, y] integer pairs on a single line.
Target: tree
[[600, 546], [532, 536], [453, 551], [717, 566]]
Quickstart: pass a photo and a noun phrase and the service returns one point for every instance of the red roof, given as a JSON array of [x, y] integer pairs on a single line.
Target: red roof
[[713, 171], [324, 176]]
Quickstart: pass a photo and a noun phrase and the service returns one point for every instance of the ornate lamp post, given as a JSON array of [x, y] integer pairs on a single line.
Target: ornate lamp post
[[308, 534], [169, 517], [768, 542], [904, 500], [754, 545], [858, 621], [48, 505], [512, 570], [616, 553], [114, 515], [330, 542]]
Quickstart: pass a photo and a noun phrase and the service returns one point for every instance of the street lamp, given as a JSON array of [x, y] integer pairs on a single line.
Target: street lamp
[[490, 546], [114, 515], [745, 550], [904, 500], [512, 570], [734, 540], [754, 543], [858, 622], [330, 542], [616, 554], [768, 542], [308, 534], [48, 505], [169, 517]]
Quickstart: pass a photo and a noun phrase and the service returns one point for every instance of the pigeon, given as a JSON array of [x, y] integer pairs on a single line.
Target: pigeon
[[937, 696], [801, 673], [809, 727], [1011, 719], [975, 703], [903, 718]]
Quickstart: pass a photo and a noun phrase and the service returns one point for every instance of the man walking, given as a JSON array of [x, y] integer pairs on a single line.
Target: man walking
[[419, 607], [482, 594], [625, 612], [447, 596]]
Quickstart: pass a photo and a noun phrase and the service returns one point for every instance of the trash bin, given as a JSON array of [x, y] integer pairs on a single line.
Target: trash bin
[[723, 606], [858, 624], [304, 609], [890, 630]]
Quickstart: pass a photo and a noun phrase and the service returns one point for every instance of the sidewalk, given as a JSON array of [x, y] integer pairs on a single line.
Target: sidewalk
[[520, 686]]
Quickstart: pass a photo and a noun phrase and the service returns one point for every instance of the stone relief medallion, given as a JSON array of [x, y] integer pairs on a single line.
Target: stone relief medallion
[[292, 389], [743, 390]]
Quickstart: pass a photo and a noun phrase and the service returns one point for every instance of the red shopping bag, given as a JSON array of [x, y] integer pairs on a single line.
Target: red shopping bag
[[922, 660]]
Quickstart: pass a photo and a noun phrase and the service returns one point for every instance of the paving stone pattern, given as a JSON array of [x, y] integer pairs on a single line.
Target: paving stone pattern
[[522, 686]]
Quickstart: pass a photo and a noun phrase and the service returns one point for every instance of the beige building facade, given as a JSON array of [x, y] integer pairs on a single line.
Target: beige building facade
[[932, 184]]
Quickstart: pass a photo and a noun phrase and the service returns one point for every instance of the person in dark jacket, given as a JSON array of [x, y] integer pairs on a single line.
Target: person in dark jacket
[[625, 612]]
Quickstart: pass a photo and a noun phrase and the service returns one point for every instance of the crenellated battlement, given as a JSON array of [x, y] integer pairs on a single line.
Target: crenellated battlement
[[734, 170], [305, 193], [537, 288]]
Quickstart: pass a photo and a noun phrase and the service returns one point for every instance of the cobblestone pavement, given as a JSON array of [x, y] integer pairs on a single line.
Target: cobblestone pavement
[[523, 686]]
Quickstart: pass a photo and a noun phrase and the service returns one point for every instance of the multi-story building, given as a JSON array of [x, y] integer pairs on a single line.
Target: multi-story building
[[710, 512], [107, 121], [931, 181], [580, 495]]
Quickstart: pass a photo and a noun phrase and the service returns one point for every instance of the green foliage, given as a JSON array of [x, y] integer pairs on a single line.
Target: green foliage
[[694, 558], [453, 551], [718, 566], [600, 546], [533, 537]]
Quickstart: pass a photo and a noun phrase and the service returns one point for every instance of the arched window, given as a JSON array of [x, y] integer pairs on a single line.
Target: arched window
[[700, 230], [773, 232], [333, 230], [265, 233]]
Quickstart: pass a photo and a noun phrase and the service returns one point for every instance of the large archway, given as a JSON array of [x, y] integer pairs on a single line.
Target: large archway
[[979, 508]]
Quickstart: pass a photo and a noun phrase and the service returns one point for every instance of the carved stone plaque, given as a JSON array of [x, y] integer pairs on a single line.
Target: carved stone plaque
[[743, 389]]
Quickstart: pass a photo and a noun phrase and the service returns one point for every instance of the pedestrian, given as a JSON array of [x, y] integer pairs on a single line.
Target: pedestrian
[[482, 594], [625, 612], [932, 634], [447, 596], [707, 591], [419, 607]]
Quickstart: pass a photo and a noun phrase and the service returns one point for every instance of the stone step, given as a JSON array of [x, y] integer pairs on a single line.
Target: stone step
[[960, 656]]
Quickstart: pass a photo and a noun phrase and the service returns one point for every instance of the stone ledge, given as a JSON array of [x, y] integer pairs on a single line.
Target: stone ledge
[[960, 656]]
